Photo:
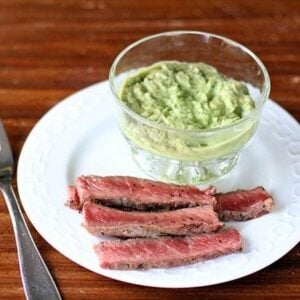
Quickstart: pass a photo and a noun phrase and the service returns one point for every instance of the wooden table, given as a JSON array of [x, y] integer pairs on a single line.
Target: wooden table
[[51, 48]]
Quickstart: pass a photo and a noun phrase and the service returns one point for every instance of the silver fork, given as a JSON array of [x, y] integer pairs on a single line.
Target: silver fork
[[37, 280]]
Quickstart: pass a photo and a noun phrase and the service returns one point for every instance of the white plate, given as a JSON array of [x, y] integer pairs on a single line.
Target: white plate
[[80, 136]]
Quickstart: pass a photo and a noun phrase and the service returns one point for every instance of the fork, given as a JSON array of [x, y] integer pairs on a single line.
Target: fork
[[36, 278]]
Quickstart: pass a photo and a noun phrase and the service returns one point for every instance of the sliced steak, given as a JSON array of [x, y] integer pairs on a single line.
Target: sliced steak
[[243, 205], [137, 193], [166, 252], [102, 220], [143, 194]]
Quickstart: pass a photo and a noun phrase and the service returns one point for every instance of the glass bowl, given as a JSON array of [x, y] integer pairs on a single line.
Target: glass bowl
[[184, 155]]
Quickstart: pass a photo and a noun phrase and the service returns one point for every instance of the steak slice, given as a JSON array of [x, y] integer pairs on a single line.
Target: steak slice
[[166, 252], [73, 200], [137, 193], [102, 220], [243, 205]]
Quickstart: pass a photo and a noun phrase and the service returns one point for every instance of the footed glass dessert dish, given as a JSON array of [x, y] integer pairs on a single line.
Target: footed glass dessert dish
[[190, 155]]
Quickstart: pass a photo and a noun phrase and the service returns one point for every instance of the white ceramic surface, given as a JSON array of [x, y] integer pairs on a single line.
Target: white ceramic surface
[[80, 136]]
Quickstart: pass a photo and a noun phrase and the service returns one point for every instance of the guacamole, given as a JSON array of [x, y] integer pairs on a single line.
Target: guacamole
[[192, 96], [186, 95]]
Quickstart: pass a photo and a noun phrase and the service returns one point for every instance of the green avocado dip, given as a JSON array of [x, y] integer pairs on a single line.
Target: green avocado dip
[[186, 95], [193, 96]]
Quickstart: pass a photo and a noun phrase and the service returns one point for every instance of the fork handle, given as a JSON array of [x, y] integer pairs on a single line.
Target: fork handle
[[37, 280]]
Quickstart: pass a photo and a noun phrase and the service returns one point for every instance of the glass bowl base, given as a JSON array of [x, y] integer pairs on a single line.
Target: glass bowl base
[[182, 172]]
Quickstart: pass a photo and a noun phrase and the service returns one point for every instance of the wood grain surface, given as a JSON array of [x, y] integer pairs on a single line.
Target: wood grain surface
[[50, 49]]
